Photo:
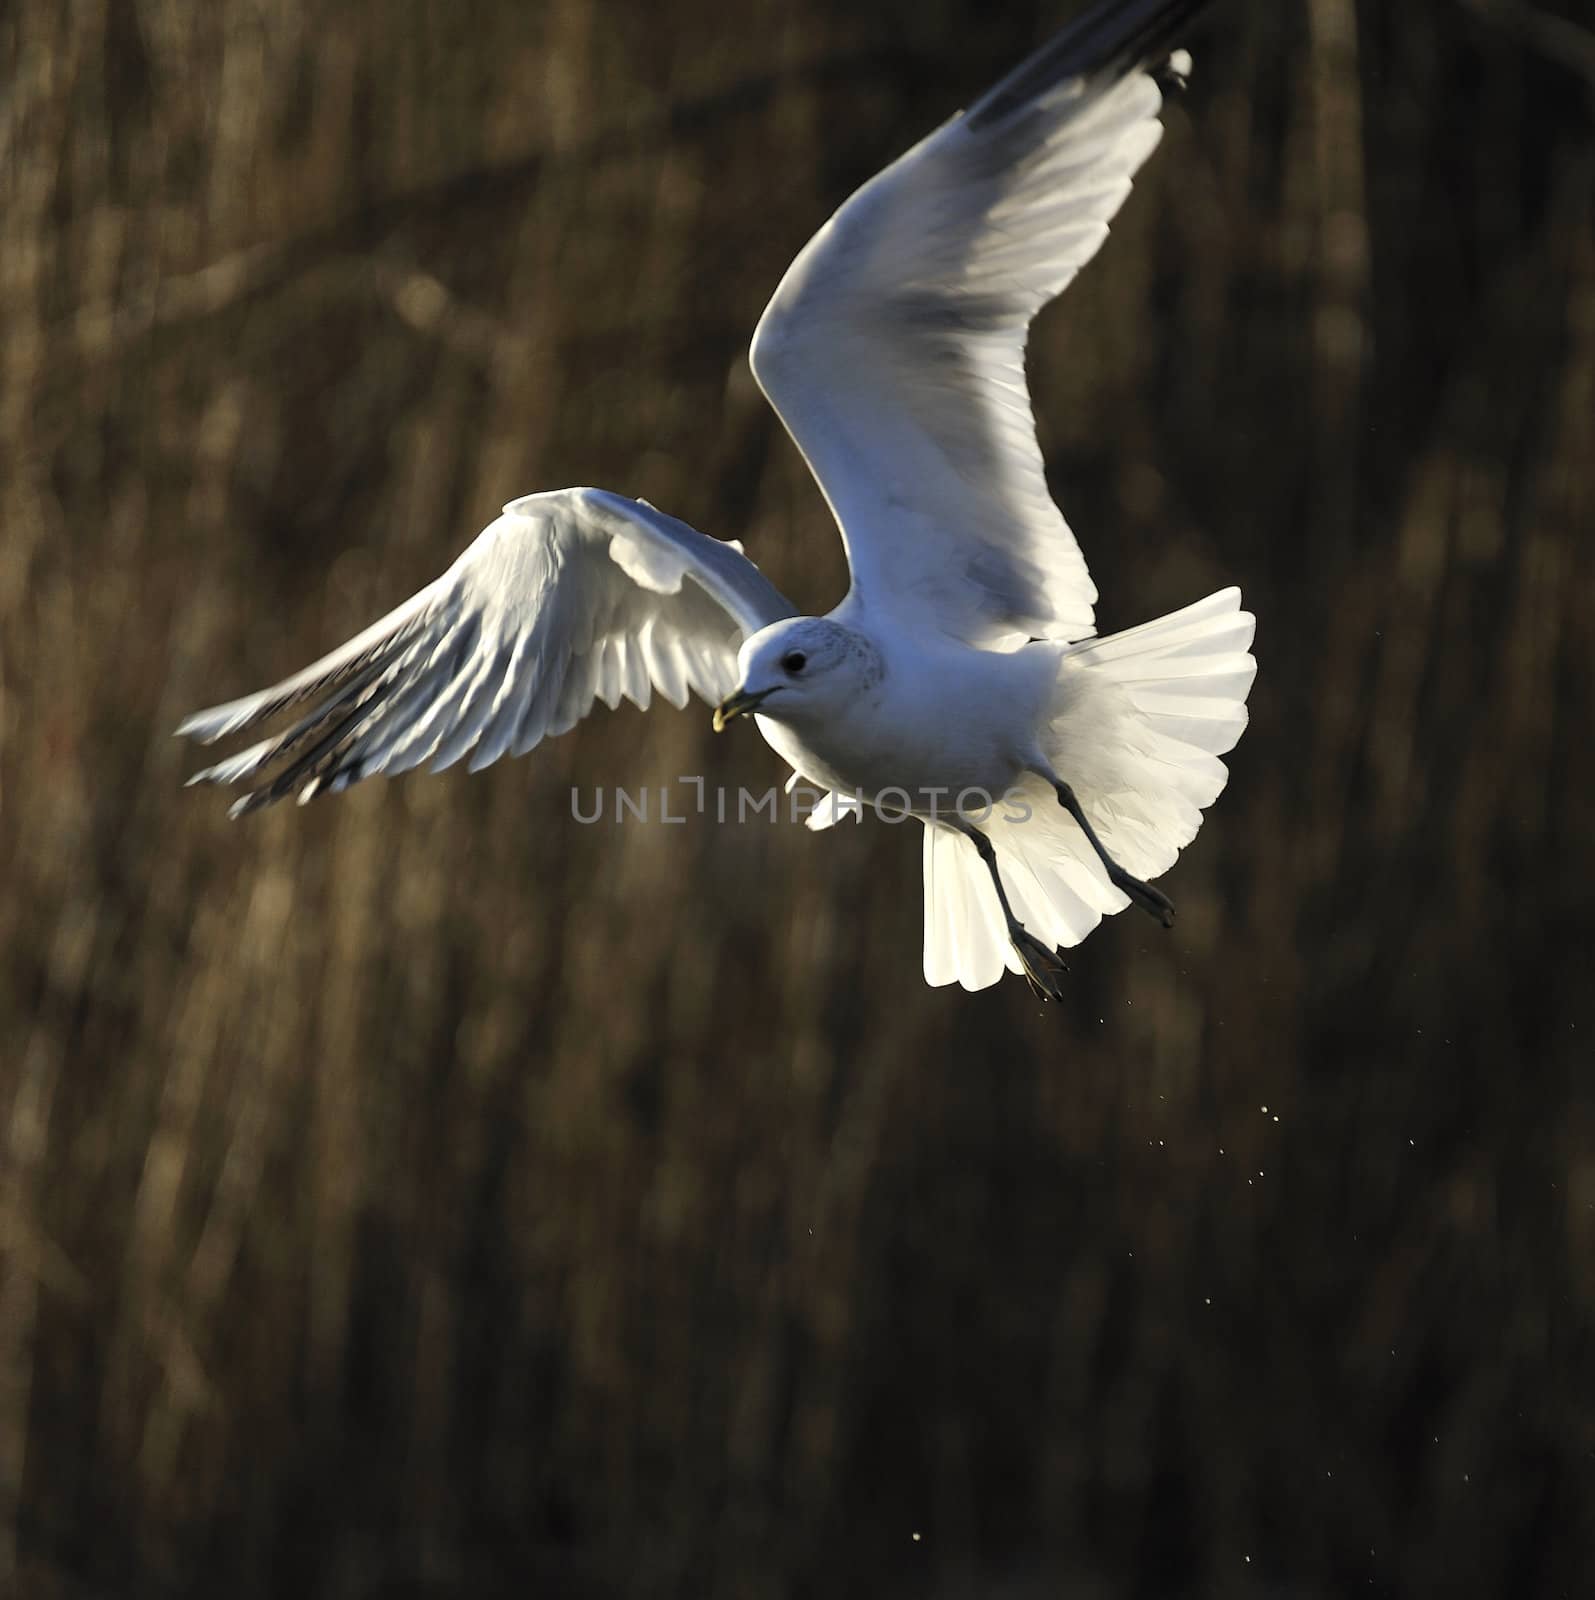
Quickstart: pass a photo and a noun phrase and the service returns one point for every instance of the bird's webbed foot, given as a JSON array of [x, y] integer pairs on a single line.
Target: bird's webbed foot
[[1152, 901], [1044, 968]]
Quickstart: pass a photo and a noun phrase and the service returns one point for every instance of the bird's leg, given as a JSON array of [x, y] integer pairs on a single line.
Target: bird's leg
[[1144, 895], [1043, 967]]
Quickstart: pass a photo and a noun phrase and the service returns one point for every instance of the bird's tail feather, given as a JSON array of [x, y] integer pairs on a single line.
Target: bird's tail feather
[[1136, 728]]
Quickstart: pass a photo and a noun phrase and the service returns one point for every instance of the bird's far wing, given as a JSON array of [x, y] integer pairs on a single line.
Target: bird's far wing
[[893, 349], [567, 598]]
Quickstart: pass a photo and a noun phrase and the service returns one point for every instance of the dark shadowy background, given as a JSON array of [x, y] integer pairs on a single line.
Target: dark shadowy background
[[425, 1195]]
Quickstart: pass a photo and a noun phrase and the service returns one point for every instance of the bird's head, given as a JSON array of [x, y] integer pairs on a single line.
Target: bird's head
[[802, 669]]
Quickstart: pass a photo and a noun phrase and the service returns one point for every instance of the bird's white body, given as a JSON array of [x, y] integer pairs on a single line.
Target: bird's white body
[[938, 719], [962, 665], [962, 736]]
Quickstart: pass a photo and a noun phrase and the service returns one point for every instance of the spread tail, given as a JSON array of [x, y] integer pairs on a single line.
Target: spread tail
[[1136, 727]]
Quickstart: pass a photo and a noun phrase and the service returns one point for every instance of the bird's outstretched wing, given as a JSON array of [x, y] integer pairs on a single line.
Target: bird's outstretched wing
[[893, 349], [567, 598]]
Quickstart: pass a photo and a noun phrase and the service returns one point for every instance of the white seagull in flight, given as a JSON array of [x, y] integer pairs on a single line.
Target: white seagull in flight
[[961, 662]]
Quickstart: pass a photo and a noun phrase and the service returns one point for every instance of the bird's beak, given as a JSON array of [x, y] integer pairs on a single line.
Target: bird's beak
[[743, 700]]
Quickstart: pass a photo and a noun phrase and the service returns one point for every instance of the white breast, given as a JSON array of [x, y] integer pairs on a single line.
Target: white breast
[[942, 719]]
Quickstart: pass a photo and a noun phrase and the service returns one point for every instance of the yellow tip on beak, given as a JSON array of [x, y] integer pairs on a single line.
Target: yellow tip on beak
[[735, 705]]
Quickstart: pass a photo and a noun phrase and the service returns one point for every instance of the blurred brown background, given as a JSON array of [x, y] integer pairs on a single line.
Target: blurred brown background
[[421, 1194]]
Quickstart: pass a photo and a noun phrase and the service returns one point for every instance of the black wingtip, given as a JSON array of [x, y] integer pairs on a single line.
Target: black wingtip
[[1110, 40]]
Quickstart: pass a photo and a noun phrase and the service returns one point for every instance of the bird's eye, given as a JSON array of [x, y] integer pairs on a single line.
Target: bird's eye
[[794, 661]]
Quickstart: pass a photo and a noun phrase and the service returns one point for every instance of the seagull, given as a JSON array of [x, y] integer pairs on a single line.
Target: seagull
[[960, 681]]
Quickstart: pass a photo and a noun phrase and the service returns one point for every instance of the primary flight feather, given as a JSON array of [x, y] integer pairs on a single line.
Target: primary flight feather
[[957, 681]]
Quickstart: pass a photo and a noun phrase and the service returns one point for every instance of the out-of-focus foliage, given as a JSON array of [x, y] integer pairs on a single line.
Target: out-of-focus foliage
[[423, 1193]]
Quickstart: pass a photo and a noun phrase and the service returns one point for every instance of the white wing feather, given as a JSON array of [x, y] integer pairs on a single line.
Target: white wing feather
[[893, 348], [567, 598]]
